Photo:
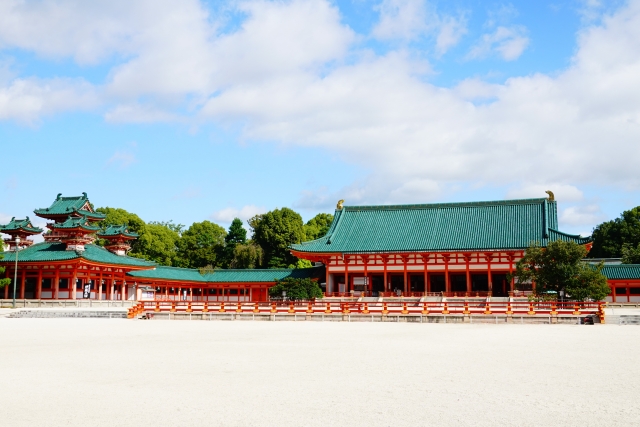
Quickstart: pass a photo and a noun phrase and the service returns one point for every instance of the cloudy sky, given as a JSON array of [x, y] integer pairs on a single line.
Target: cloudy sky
[[188, 110]]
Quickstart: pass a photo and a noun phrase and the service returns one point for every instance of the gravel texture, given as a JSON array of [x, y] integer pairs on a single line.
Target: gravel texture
[[101, 372]]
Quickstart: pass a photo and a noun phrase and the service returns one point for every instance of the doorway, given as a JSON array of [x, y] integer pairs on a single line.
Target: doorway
[[377, 284], [500, 285]]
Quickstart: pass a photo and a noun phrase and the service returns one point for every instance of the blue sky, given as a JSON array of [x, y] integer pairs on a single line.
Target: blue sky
[[193, 110]]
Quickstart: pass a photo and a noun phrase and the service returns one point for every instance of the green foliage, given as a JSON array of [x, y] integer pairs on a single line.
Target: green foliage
[[158, 243], [630, 254], [296, 289], [3, 282], [317, 226], [247, 255], [559, 267], [275, 231], [200, 245], [237, 235], [610, 237], [178, 228], [301, 263]]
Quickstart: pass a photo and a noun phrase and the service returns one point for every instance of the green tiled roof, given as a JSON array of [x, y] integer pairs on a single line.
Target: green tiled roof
[[20, 224], [57, 252], [76, 222], [227, 276], [116, 230], [621, 271], [506, 224], [68, 206]]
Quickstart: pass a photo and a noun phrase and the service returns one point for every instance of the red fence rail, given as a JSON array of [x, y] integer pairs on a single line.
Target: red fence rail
[[377, 308]]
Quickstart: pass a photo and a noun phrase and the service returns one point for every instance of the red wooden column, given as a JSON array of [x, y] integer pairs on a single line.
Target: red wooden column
[[385, 259], [123, 296], [72, 285], [365, 260], [425, 259], [56, 282], [447, 283], [345, 259], [511, 282], [404, 268], [467, 259], [489, 257], [23, 277], [100, 286], [39, 284]]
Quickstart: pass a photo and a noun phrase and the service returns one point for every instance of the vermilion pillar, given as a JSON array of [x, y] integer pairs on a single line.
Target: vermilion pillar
[[23, 277], [467, 259], [39, 284]]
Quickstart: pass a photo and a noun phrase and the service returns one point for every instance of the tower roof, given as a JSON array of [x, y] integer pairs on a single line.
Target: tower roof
[[76, 222], [20, 225], [504, 224], [65, 206], [117, 230]]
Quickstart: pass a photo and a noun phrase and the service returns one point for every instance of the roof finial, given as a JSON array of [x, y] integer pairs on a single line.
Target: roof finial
[[339, 206], [551, 198], [84, 194], [58, 196]]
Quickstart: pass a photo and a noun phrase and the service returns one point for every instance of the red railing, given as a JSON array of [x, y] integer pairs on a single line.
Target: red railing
[[458, 307]]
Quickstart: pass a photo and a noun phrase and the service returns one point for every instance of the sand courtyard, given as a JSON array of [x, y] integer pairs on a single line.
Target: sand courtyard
[[101, 372]]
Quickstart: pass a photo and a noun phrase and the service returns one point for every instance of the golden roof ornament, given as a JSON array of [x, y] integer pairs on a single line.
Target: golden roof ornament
[[551, 196], [339, 206]]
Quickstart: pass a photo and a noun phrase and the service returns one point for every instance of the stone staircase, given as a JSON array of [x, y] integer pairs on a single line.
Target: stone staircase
[[114, 313]]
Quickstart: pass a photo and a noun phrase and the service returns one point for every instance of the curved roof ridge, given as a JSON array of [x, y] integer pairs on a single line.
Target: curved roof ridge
[[447, 204]]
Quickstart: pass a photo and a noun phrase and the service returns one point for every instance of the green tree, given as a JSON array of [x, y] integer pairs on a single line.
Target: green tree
[[630, 254], [610, 237], [158, 243], [317, 226], [275, 231], [237, 235], [200, 245], [296, 289], [3, 282], [559, 267], [247, 255]]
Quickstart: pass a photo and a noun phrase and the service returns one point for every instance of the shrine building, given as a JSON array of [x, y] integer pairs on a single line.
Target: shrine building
[[451, 249], [69, 265], [410, 251]]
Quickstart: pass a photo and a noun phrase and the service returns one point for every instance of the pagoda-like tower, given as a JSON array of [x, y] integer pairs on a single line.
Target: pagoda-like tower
[[21, 228], [64, 208], [119, 238], [75, 232]]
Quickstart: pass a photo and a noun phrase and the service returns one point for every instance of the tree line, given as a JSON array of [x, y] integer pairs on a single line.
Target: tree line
[[208, 245]]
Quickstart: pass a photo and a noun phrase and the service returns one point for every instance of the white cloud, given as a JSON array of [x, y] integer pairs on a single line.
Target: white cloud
[[506, 42], [452, 29], [378, 114], [409, 19], [584, 215], [136, 113], [122, 159], [227, 215], [27, 100], [402, 19]]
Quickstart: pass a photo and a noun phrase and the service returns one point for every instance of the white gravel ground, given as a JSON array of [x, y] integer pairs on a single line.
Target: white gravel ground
[[100, 372]]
